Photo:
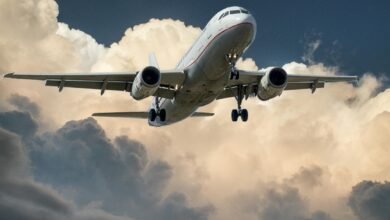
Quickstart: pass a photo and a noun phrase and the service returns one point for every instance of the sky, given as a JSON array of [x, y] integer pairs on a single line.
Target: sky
[[301, 156], [353, 37]]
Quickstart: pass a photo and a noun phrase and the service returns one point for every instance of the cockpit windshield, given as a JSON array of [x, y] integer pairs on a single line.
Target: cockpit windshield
[[237, 11]]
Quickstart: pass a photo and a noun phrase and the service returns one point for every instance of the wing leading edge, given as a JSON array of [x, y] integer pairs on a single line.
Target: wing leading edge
[[250, 80], [104, 81]]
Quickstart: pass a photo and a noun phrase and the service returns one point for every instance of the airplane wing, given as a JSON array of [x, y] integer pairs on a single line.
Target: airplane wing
[[142, 115], [250, 80], [104, 81]]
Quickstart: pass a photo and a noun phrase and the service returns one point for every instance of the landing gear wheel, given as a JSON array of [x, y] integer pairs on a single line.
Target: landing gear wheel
[[234, 115], [244, 115], [163, 115], [239, 112], [152, 115]]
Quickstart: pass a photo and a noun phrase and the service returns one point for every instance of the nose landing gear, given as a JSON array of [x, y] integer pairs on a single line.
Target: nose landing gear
[[153, 113], [239, 112], [232, 59]]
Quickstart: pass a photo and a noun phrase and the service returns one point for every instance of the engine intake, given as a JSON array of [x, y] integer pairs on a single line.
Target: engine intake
[[146, 83], [272, 84], [150, 76]]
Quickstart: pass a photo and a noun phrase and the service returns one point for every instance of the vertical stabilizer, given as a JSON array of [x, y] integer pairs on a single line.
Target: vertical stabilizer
[[153, 60]]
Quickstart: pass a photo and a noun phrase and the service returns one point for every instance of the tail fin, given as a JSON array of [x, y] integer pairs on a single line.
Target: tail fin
[[153, 60]]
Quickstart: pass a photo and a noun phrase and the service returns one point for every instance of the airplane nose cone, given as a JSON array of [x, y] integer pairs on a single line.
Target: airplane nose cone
[[249, 19]]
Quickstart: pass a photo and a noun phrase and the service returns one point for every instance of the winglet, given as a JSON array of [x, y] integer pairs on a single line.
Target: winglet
[[9, 75]]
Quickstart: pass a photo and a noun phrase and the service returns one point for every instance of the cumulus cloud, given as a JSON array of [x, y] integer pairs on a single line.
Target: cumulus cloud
[[298, 153], [23, 197], [83, 167], [371, 200]]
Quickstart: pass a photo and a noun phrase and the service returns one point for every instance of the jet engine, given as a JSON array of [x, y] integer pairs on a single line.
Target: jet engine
[[146, 83], [272, 84]]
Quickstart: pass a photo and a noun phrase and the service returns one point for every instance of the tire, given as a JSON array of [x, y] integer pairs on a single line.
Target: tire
[[234, 115], [163, 115], [244, 115], [152, 115]]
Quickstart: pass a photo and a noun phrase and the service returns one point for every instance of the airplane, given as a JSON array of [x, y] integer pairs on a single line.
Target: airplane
[[207, 72]]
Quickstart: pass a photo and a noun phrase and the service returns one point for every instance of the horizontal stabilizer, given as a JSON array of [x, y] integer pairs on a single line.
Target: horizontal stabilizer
[[202, 114], [122, 114], [142, 115]]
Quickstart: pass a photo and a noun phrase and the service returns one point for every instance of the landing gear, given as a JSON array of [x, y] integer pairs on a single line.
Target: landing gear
[[239, 112], [235, 115], [153, 113], [162, 114], [234, 73]]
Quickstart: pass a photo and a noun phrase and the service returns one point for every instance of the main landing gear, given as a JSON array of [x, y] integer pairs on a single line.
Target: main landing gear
[[234, 73], [153, 113], [239, 112]]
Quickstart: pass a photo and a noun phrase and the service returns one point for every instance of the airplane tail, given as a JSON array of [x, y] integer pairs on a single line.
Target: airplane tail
[[153, 60], [142, 115]]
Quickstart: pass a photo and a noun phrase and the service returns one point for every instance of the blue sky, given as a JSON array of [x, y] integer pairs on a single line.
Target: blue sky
[[354, 34]]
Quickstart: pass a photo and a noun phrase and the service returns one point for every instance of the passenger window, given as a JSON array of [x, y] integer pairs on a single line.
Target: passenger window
[[235, 12]]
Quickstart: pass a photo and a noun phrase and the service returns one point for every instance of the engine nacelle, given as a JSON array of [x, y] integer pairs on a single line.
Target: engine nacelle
[[272, 84], [146, 83]]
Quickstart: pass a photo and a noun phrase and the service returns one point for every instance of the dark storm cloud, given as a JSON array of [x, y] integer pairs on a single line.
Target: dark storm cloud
[[371, 200], [283, 203], [320, 215], [22, 198], [18, 122], [82, 166], [24, 104], [80, 157], [12, 158]]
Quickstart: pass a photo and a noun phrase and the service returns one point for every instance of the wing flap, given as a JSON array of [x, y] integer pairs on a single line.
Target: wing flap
[[293, 78], [116, 86], [119, 86], [304, 85], [251, 90]]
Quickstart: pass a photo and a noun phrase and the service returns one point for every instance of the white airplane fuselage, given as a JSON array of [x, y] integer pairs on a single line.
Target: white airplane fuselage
[[206, 66]]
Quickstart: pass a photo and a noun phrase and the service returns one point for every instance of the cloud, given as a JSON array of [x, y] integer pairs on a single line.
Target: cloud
[[284, 203], [82, 166], [370, 200], [18, 122], [24, 198], [307, 177], [24, 104], [310, 49]]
